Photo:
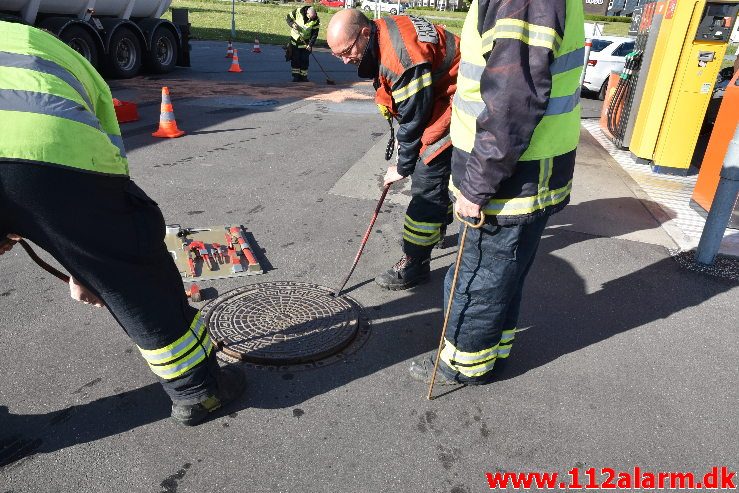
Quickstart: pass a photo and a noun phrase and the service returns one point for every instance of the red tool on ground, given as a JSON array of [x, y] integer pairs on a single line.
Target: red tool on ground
[[237, 240], [194, 293], [364, 240]]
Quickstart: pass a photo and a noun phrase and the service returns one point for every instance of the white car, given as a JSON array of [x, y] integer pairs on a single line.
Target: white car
[[389, 7], [607, 54]]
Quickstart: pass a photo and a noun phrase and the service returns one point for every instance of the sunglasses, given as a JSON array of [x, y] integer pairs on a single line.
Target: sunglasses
[[348, 50]]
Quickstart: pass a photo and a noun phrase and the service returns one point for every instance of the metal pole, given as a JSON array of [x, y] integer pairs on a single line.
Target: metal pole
[[588, 46], [722, 205], [233, 19]]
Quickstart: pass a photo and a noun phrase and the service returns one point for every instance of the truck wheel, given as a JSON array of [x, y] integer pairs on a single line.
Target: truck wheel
[[124, 55], [367, 8], [163, 55], [81, 41], [393, 11]]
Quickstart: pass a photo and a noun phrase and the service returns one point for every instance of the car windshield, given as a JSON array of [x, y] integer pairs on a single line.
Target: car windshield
[[600, 44]]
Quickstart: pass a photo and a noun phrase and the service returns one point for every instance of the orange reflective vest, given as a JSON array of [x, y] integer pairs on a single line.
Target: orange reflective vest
[[407, 41]]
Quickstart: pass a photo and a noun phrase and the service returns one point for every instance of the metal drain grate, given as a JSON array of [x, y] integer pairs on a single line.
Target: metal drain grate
[[283, 323]]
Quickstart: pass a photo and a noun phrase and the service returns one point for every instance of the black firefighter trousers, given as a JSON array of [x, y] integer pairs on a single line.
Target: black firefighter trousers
[[108, 234], [299, 61], [430, 209]]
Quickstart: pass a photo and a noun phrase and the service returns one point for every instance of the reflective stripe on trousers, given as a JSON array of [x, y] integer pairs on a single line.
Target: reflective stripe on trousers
[[175, 359]]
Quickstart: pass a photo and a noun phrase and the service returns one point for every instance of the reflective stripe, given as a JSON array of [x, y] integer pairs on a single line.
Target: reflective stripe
[[476, 364], [177, 348], [117, 141], [435, 147], [563, 104], [176, 370], [421, 240], [531, 34], [507, 336], [468, 358], [569, 61], [471, 108], [449, 56], [421, 227], [527, 205], [471, 71], [545, 173], [397, 41], [46, 104], [38, 64], [412, 87], [185, 353]]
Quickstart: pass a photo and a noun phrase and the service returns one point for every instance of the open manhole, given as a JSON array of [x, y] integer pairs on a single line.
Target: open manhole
[[284, 323]]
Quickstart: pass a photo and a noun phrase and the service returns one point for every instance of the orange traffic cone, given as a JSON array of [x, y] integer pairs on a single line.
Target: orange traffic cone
[[167, 124], [256, 48], [235, 62], [230, 50]]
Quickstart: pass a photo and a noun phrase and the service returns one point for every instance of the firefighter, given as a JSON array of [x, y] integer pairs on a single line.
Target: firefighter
[[414, 66], [515, 129], [304, 25], [64, 184]]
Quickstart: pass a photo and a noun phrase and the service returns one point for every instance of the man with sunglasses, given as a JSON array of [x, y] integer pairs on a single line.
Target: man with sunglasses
[[414, 65]]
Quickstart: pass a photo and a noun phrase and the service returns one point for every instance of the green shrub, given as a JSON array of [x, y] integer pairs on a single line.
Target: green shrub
[[607, 18]]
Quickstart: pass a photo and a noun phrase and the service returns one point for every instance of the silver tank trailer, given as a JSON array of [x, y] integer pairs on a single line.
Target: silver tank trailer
[[123, 9], [119, 37]]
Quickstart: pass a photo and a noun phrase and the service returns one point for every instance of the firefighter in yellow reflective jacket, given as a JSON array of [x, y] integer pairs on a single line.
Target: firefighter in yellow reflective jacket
[[65, 186], [304, 25], [515, 127]]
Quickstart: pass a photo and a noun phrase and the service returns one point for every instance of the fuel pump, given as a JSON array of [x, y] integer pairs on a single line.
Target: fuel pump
[[690, 47]]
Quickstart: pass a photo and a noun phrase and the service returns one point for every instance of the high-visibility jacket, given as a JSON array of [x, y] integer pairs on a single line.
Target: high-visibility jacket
[[307, 31], [406, 42], [516, 112], [54, 106]]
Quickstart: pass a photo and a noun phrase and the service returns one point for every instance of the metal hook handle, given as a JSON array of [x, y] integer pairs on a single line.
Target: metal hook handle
[[477, 225]]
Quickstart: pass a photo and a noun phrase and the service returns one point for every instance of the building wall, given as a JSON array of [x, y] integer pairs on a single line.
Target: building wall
[[596, 7]]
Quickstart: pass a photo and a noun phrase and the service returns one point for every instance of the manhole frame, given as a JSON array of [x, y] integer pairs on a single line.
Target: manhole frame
[[352, 345]]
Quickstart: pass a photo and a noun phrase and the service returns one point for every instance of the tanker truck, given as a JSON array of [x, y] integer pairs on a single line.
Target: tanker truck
[[119, 37]]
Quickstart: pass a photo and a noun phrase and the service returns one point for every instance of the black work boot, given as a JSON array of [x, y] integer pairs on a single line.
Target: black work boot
[[297, 78], [406, 273], [422, 368], [231, 383], [441, 244]]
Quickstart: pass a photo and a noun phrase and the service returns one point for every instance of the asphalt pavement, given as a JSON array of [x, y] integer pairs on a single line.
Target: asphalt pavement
[[623, 359]]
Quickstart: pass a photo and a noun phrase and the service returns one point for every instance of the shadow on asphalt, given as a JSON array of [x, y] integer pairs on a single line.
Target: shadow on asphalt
[[26, 435], [559, 314]]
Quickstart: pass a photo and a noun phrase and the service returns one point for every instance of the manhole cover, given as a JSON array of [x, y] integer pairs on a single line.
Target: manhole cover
[[283, 323]]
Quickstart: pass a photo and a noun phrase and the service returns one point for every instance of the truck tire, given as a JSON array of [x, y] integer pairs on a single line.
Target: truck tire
[[393, 11], [124, 55], [164, 50], [367, 8], [81, 41]]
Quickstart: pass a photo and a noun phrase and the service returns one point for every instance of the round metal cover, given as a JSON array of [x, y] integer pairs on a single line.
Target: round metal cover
[[282, 323]]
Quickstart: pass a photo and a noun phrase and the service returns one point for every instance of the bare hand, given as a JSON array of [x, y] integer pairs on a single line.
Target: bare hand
[[465, 208], [392, 176], [7, 244], [80, 293]]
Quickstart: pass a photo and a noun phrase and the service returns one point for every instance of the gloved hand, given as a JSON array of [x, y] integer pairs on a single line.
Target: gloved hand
[[309, 48]]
